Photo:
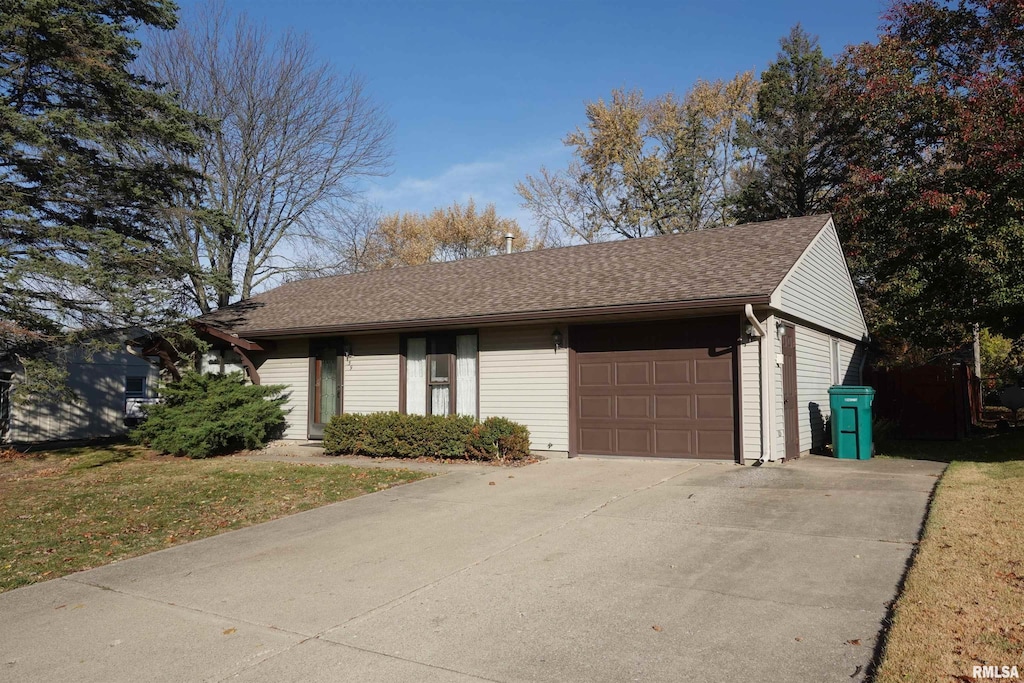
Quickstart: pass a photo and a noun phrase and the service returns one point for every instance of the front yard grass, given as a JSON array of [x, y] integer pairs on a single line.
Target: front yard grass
[[68, 510], [962, 604]]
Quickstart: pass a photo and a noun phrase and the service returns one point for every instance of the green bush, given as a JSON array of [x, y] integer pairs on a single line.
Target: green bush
[[499, 438], [411, 436], [210, 414]]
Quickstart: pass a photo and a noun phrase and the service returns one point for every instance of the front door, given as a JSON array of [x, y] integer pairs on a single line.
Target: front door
[[791, 408], [325, 384]]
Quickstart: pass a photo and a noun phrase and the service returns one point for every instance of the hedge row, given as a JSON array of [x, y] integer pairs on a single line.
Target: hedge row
[[412, 436]]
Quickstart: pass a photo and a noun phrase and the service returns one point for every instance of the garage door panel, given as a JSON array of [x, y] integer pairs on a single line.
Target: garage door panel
[[714, 370], [672, 372], [674, 442], [673, 407], [664, 389], [715, 444], [595, 374], [637, 441], [633, 407], [714, 408], [633, 373], [596, 441], [595, 407]]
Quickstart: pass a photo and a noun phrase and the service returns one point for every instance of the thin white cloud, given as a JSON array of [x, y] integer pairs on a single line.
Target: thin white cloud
[[487, 181]]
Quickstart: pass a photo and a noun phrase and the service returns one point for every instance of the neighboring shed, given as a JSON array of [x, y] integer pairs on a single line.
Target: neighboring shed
[[103, 381], [718, 344]]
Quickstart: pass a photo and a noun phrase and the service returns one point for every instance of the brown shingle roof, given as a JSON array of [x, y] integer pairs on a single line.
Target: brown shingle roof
[[700, 268]]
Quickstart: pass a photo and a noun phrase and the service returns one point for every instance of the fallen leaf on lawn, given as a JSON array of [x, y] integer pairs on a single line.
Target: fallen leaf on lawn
[[228, 631], [657, 628], [855, 641]]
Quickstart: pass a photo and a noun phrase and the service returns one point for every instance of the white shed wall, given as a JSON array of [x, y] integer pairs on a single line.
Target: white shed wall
[[98, 380]]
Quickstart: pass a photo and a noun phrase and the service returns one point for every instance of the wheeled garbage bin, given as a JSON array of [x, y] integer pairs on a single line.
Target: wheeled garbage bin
[[851, 421]]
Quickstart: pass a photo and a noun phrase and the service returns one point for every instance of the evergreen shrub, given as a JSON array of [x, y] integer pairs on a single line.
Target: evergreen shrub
[[211, 414]]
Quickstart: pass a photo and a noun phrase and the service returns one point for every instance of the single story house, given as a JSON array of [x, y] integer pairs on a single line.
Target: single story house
[[718, 344], [109, 380]]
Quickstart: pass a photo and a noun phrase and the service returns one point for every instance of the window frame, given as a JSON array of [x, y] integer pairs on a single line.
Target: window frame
[[144, 393], [834, 356], [435, 340]]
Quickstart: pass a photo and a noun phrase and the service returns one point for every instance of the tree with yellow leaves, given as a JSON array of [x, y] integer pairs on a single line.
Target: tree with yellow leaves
[[646, 167], [445, 234]]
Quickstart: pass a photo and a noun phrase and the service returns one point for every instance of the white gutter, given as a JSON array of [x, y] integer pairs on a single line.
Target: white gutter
[[764, 345]]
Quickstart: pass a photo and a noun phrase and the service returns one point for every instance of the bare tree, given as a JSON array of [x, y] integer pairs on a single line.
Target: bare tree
[[292, 140]]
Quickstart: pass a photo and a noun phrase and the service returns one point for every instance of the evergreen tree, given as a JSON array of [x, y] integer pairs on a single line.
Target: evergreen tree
[[793, 168], [78, 238]]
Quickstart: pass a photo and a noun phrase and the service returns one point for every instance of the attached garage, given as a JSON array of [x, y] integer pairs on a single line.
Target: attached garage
[[661, 389]]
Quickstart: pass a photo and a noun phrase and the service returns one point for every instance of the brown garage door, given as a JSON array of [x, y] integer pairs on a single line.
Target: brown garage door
[[656, 389]]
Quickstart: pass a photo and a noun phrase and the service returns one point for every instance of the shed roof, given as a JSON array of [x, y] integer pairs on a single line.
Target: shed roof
[[699, 269]]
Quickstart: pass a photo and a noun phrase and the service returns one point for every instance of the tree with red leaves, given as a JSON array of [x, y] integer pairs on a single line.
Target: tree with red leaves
[[933, 210]]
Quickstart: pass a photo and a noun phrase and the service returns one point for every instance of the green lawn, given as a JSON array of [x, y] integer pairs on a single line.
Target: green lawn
[[963, 601], [73, 509]]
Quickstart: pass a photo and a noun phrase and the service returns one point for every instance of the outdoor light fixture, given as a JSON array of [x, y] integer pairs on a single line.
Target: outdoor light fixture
[[346, 349], [556, 338]]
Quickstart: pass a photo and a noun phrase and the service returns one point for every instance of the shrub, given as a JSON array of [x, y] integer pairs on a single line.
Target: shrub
[[499, 438], [209, 414], [411, 436]]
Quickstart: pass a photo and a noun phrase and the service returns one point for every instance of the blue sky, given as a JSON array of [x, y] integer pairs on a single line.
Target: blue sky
[[482, 92]]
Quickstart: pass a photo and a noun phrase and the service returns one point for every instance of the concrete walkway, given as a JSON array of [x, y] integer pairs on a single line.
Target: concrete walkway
[[568, 570]]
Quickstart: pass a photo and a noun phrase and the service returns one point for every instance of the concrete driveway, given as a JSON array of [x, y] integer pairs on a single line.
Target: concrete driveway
[[568, 570]]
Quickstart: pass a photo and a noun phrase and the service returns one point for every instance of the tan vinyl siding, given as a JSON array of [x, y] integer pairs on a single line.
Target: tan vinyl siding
[[372, 374], [819, 289], [523, 378], [98, 380], [750, 372], [289, 364], [813, 378]]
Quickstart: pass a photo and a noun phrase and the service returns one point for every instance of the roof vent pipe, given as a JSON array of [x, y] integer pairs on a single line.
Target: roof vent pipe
[[508, 242]]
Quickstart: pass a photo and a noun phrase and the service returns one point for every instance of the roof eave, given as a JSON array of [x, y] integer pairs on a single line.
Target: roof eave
[[526, 316]]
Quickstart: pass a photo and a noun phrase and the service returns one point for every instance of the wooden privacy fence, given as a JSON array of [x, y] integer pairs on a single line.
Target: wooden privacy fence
[[940, 402]]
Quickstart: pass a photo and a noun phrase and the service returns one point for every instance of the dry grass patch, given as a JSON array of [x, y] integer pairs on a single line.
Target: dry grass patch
[[74, 509], [963, 601]]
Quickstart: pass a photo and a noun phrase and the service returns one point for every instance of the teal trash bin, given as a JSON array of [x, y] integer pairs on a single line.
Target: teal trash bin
[[851, 421]]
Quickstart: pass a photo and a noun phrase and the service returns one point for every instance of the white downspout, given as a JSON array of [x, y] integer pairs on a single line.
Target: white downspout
[[767, 357]]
